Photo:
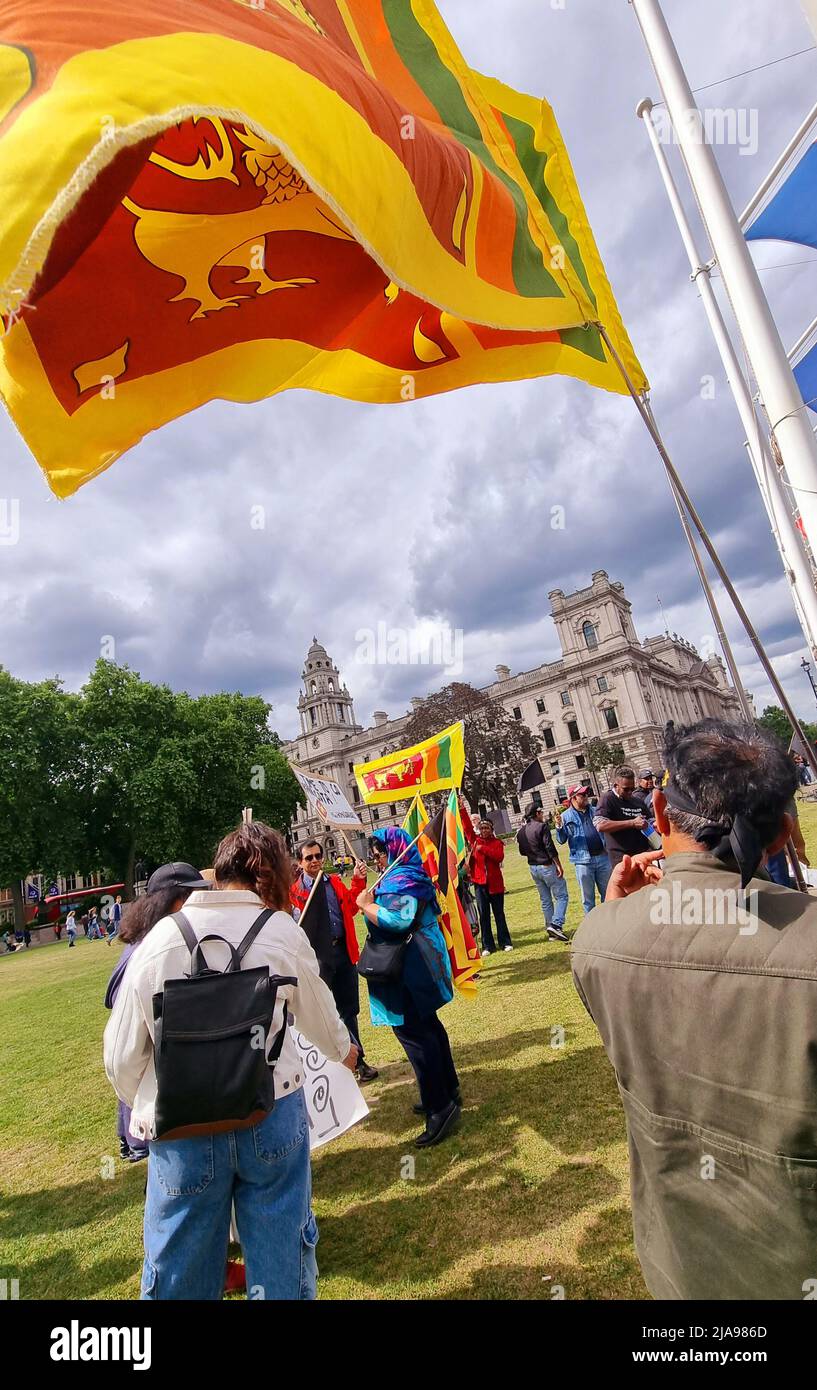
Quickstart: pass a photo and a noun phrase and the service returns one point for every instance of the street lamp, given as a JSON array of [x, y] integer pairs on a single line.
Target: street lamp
[[806, 665]]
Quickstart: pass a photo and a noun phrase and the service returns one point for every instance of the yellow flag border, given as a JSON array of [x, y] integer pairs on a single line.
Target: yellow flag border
[[454, 731]]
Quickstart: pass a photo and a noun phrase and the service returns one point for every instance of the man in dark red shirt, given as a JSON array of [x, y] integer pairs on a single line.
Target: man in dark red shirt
[[487, 854]]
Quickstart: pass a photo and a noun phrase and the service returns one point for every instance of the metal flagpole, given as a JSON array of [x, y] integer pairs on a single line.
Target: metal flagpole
[[646, 414], [726, 647], [770, 365], [795, 561]]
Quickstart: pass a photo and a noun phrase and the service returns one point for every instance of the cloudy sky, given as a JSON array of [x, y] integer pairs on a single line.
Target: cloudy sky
[[439, 512]]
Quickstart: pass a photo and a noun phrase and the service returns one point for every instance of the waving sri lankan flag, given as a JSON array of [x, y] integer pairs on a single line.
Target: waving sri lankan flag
[[207, 199], [442, 847]]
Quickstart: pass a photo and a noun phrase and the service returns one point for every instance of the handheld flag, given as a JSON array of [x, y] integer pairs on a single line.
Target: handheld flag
[[205, 199], [434, 765], [442, 847]]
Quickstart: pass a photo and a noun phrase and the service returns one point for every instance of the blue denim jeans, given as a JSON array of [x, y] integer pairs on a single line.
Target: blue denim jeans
[[192, 1185], [552, 891], [591, 876]]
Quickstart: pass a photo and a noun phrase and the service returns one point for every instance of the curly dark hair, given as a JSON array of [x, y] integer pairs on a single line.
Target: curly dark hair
[[256, 856], [140, 916], [728, 770]]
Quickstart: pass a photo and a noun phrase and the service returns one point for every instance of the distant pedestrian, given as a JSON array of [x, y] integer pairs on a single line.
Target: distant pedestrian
[[71, 927], [644, 791], [487, 854], [535, 844], [92, 931], [588, 856]]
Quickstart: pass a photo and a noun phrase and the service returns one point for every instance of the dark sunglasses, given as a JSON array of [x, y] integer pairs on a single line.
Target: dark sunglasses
[[308, 857]]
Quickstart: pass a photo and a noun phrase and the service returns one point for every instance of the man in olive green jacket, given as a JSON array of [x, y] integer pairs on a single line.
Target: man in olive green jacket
[[702, 981]]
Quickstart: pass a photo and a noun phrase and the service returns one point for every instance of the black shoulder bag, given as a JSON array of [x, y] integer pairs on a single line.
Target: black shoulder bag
[[383, 959], [210, 1041]]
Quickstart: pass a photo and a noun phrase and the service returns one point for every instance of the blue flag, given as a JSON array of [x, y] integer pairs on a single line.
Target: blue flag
[[792, 213], [805, 374]]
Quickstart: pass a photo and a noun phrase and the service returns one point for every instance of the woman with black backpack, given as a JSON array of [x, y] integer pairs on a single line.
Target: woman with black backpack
[[197, 1045]]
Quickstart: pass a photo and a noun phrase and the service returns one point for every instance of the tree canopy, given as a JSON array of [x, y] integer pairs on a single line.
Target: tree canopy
[[497, 746], [129, 770]]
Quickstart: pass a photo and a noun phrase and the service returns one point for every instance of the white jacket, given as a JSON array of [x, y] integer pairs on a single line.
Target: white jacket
[[163, 955]]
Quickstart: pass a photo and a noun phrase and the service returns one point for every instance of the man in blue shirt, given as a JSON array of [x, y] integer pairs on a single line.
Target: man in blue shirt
[[575, 828]]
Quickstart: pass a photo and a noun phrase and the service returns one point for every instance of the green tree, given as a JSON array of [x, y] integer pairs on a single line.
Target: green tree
[[167, 774], [776, 722], [601, 755], [497, 747], [40, 814]]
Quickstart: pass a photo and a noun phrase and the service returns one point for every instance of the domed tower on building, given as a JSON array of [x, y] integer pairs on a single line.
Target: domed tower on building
[[326, 703]]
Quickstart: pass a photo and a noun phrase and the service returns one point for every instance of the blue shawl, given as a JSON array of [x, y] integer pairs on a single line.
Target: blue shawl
[[409, 876]]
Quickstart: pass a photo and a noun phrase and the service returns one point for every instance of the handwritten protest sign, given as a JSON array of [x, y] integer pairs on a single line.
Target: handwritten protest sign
[[333, 1098], [328, 799]]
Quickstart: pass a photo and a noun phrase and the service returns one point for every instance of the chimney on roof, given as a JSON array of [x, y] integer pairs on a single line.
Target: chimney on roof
[[380, 717], [503, 673]]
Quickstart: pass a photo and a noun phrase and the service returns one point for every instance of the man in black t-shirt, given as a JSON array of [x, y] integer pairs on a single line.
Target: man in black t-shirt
[[620, 818]]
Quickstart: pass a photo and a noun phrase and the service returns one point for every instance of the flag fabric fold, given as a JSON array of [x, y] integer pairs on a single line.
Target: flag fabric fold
[[431, 766], [205, 199], [805, 374], [791, 213], [443, 847]]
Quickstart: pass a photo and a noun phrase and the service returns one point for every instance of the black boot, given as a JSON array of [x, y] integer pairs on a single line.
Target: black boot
[[366, 1073], [439, 1125], [457, 1099]]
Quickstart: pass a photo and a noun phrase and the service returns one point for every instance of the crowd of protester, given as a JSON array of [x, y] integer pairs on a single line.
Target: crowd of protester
[[694, 958]]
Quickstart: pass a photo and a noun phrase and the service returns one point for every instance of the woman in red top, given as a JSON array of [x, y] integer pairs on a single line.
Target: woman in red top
[[487, 854]]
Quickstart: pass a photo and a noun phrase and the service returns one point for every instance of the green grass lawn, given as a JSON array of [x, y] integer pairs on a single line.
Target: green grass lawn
[[531, 1192]]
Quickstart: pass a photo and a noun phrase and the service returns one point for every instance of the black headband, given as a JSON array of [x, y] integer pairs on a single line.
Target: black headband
[[727, 839]]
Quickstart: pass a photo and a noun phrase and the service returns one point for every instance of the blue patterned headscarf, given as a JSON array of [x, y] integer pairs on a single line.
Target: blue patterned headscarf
[[408, 876]]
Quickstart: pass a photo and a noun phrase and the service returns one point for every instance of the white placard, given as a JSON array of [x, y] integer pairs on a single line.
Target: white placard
[[334, 1101], [328, 799]]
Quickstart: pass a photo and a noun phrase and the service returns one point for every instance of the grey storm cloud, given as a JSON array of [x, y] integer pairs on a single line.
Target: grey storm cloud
[[213, 551]]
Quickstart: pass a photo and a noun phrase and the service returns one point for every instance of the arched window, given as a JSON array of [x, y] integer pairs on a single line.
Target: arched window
[[314, 687], [590, 634]]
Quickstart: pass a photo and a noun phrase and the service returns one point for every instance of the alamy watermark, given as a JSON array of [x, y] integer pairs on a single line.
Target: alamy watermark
[[673, 905], [717, 125], [428, 645]]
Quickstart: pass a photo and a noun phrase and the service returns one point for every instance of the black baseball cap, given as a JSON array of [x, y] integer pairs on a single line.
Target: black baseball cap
[[176, 875]]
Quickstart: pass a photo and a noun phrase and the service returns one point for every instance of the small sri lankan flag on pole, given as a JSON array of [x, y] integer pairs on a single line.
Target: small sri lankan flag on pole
[[204, 199], [442, 847]]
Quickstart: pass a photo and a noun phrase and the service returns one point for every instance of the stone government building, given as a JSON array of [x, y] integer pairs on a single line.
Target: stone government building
[[607, 684]]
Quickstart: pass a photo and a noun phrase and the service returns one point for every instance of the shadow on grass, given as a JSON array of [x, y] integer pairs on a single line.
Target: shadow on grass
[[61, 1275], [66, 1208], [513, 969], [607, 1268], [571, 1102], [424, 1235]]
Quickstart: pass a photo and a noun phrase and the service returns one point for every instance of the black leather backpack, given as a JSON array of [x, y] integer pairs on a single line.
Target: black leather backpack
[[210, 1041]]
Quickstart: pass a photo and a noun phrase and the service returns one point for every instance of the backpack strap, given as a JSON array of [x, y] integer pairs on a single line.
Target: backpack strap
[[190, 939], [275, 1051], [244, 946]]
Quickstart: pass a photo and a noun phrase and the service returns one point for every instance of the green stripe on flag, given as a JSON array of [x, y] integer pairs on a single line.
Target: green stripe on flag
[[444, 757], [531, 277]]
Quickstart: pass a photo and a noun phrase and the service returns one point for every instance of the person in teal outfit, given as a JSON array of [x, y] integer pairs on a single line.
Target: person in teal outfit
[[404, 904]]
